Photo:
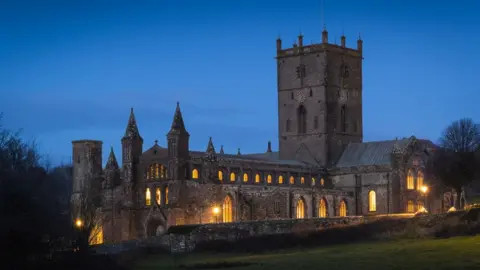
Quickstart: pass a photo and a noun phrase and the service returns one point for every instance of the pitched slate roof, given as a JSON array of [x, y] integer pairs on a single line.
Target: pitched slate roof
[[267, 158], [370, 153]]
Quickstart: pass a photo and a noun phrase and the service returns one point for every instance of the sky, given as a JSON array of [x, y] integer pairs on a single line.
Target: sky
[[72, 70]]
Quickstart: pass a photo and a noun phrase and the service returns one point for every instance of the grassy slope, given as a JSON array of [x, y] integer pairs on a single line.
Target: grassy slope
[[453, 253]]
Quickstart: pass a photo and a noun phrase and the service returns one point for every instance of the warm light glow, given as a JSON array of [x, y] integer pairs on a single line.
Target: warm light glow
[[424, 189], [302, 180], [148, 197], [257, 178], [96, 235], [292, 180], [420, 185], [343, 209], [313, 181], [158, 196], [322, 208], [227, 209], [421, 210], [232, 177], [269, 179], [280, 179], [194, 174], [78, 223], [245, 177], [452, 209], [216, 210], [410, 184], [300, 209], [410, 206], [220, 175], [166, 195], [372, 201], [322, 182]]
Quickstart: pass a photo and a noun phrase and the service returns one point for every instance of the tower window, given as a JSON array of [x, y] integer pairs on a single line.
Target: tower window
[[302, 119], [310, 93], [343, 118], [315, 122], [291, 95]]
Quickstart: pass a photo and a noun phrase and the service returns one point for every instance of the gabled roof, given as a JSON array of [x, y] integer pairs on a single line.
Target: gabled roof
[[370, 153]]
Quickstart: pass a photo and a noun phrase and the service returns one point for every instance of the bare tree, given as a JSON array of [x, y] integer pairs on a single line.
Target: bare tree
[[456, 162]]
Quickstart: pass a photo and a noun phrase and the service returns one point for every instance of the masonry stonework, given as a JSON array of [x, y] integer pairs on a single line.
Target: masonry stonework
[[322, 169]]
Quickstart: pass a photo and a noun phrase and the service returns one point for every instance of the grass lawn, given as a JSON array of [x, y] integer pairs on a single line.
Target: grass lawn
[[453, 253]]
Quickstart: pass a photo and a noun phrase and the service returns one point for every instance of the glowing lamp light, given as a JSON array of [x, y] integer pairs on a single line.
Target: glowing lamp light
[[216, 210], [424, 189], [452, 209], [78, 223]]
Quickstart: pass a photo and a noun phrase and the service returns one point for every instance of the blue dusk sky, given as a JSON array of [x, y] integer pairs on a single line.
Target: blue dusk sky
[[73, 69]]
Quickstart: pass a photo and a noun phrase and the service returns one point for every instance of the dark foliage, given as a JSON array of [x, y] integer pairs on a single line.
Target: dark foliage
[[457, 162], [217, 265]]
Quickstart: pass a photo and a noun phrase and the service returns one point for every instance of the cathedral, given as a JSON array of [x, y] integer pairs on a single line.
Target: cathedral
[[322, 168]]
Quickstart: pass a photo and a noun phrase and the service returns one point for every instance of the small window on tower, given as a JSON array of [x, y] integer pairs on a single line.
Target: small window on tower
[[311, 92], [315, 122], [291, 95]]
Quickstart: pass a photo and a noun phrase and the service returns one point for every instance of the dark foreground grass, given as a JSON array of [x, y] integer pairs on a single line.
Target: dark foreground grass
[[452, 253]]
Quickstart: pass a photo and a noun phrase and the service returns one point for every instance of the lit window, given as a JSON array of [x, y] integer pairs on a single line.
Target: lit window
[[322, 182], [245, 177], [148, 174], [300, 209], [148, 197], [313, 181], [419, 181], [220, 175], [280, 179], [343, 209], [269, 179], [410, 206], [157, 171], [158, 196], [292, 180], [257, 178], [152, 171], [96, 235], [227, 209], [420, 205], [302, 180], [410, 184], [372, 201], [232, 177], [162, 171], [194, 174], [322, 208]]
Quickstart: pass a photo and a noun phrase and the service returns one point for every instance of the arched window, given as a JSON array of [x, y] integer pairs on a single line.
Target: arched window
[[313, 181], [302, 119], [220, 175], [419, 180], [158, 196], [280, 179], [410, 206], [194, 174], [232, 177], [322, 182], [245, 177], [300, 208], [96, 235], [322, 208], [227, 209], [162, 171], [269, 179], [148, 174], [287, 125], [152, 170], [302, 180], [372, 201], [343, 209], [343, 118], [291, 180], [166, 195], [410, 184], [148, 197], [157, 170], [257, 178]]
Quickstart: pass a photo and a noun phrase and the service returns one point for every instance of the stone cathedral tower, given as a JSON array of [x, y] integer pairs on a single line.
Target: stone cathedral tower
[[319, 99]]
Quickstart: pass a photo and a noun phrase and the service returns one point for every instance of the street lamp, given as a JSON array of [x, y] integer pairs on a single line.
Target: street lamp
[[78, 223], [216, 211]]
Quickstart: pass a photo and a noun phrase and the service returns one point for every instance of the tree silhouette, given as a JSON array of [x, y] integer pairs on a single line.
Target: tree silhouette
[[456, 162]]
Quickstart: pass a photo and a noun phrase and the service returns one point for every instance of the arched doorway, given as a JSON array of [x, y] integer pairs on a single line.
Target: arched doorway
[[155, 227], [227, 209]]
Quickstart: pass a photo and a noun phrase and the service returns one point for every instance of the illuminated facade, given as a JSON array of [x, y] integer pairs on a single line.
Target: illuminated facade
[[322, 169]]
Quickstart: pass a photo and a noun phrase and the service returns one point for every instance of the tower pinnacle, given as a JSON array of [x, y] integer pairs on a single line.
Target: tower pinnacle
[[178, 126], [132, 128]]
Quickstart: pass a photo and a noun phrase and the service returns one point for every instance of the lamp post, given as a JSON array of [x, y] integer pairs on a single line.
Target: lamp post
[[216, 211]]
